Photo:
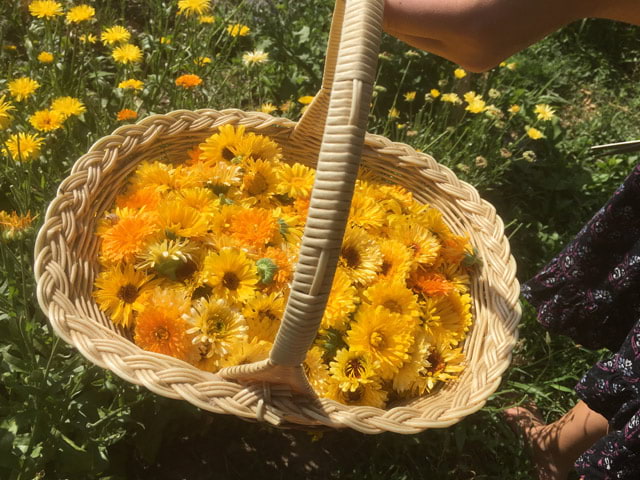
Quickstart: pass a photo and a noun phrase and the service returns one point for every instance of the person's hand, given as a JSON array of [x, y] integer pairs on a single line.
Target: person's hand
[[478, 34]]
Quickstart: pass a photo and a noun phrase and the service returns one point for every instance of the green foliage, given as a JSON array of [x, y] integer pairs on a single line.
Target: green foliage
[[63, 418]]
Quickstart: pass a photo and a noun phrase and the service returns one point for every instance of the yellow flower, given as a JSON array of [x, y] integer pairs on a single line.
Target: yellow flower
[[22, 88], [352, 369], [360, 257], [45, 9], [534, 133], [369, 394], [180, 220], [231, 274], [306, 100], [88, 38], [295, 180], [131, 84], [223, 145], [448, 316], [126, 114], [217, 326], [248, 352], [238, 30], [396, 259], [268, 108], [5, 116], [459, 73], [444, 365], [544, 112], [386, 336], [205, 19], [254, 227], [434, 92], [24, 146], [394, 113], [188, 80], [513, 109], [165, 40], [316, 370], [202, 61], [115, 34], [263, 313], [342, 302], [12, 225], [259, 179], [451, 98], [255, 57], [45, 57], [423, 245], [68, 106], [409, 96], [172, 259], [366, 212], [193, 7], [475, 103], [121, 291], [127, 53], [394, 296], [80, 13], [46, 120]]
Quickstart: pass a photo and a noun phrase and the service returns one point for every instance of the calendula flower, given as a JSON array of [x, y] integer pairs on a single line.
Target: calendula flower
[[423, 245], [253, 227], [260, 147], [45, 57], [126, 114], [127, 53], [342, 302], [451, 98], [46, 120], [247, 352], [217, 326], [188, 80], [444, 365], [259, 179], [366, 213], [352, 369], [360, 257], [223, 145], [459, 73], [263, 314], [22, 88], [88, 38], [434, 92], [295, 180], [475, 103], [160, 327], [453, 314], [5, 116], [24, 146], [534, 133], [115, 34], [206, 19], [14, 225], [169, 258], [255, 57], [202, 61], [238, 30], [316, 370], [370, 394], [68, 106], [193, 7], [180, 220], [394, 113], [45, 9], [121, 291], [131, 84], [230, 274], [394, 296], [306, 100], [268, 108], [544, 112], [386, 336], [513, 109], [125, 235], [409, 96], [80, 13], [396, 259], [430, 283]]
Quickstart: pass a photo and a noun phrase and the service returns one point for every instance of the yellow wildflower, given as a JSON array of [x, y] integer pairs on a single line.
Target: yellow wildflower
[[115, 34], [534, 133], [127, 53], [80, 13], [22, 88], [45, 57], [238, 30], [24, 146], [544, 112], [193, 7], [68, 106], [131, 84], [46, 120], [45, 9], [459, 73]]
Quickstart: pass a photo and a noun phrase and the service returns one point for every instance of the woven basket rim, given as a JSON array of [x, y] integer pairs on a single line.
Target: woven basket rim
[[157, 372]]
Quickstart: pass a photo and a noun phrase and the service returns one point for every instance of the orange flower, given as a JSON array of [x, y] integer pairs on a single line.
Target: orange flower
[[124, 236], [430, 283], [255, 227], [188, 80], [283, 262], [126, 114]]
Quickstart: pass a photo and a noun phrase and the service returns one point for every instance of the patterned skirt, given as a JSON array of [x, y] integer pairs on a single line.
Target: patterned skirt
[[591, 292]]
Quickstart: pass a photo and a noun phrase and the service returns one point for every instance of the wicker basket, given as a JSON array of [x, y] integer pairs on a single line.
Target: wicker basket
[[276, 390]]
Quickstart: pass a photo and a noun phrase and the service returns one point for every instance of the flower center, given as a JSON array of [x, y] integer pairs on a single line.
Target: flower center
[[437, 363], [227, 154], [384, 269], [351, 257], [354, 368], [161, 334], [393, 306], [258, 184], [230, 281], [377, 340], [354, 396], [128, 293]]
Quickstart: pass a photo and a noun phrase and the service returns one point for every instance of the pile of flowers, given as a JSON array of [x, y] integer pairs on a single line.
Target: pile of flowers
[[197, 257]]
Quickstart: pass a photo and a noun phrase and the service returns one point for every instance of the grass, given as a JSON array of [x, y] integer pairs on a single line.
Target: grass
[[61, 417]]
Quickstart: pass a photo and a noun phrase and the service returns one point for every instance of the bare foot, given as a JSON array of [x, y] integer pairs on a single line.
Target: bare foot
[[542, 441]]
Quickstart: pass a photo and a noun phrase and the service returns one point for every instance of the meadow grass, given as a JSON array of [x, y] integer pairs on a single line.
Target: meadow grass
[[61, 417]]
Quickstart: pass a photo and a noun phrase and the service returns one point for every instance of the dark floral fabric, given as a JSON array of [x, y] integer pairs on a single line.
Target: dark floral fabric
[[591, 292]]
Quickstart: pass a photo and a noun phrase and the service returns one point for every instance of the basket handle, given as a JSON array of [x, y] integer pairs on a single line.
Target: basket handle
[[349, 75]]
